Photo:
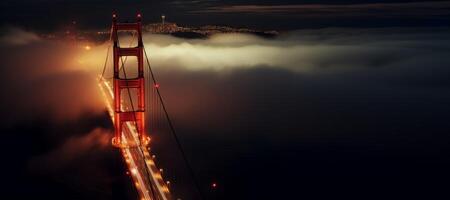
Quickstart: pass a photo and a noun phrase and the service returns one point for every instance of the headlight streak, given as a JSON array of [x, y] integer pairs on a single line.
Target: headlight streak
[[137, 176]]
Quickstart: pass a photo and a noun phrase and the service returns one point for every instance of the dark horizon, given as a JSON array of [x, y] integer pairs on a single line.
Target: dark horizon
[[48, 15]]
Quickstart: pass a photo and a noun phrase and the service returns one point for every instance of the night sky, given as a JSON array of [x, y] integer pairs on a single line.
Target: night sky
[[350, 101], [267, 14]]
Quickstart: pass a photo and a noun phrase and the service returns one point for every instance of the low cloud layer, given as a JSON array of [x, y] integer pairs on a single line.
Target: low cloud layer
[[236, 99], [56, 120], [43, 78], [241, 103], [326, 50], [71, 151], [16, 36]]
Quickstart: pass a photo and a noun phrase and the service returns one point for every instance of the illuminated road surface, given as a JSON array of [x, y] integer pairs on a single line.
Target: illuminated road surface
[[140, 163]]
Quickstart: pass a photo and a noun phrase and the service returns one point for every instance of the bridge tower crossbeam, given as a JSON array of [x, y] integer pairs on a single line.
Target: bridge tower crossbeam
[[126, 83]]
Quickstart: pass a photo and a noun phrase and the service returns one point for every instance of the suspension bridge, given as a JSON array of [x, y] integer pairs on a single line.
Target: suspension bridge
[[133, 100]]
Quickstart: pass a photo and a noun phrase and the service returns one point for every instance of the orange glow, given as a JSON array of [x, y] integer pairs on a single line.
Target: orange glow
[[135, 173]]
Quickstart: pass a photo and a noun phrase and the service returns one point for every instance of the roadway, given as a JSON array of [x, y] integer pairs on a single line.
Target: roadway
[[146, 176]]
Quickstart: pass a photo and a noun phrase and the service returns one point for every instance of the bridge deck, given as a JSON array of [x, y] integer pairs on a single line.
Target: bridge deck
[[146, 176]]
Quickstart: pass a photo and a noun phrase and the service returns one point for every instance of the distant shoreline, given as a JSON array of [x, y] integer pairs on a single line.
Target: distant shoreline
[[202, 31]]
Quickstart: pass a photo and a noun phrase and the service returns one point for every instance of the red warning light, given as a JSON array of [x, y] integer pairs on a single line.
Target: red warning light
[[214, 185], [156, 85]]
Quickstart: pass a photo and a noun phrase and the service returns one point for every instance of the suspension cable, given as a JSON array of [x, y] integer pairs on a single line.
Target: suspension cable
[[174, 134], [157, 97], [129, 94], [135, 118], [107, 52]]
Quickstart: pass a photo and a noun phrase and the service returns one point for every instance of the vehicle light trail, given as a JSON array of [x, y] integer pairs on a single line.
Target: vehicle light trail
[[146, 176]]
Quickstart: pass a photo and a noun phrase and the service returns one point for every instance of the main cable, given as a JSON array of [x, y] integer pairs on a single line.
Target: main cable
[[174, 134], [135, 118], [107, 52], [122, 66]]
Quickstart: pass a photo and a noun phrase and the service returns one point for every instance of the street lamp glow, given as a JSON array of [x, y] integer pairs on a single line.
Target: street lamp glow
[[134, 171]]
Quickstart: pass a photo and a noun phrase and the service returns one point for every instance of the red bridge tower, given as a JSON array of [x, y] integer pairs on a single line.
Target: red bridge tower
[[136, 115]]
